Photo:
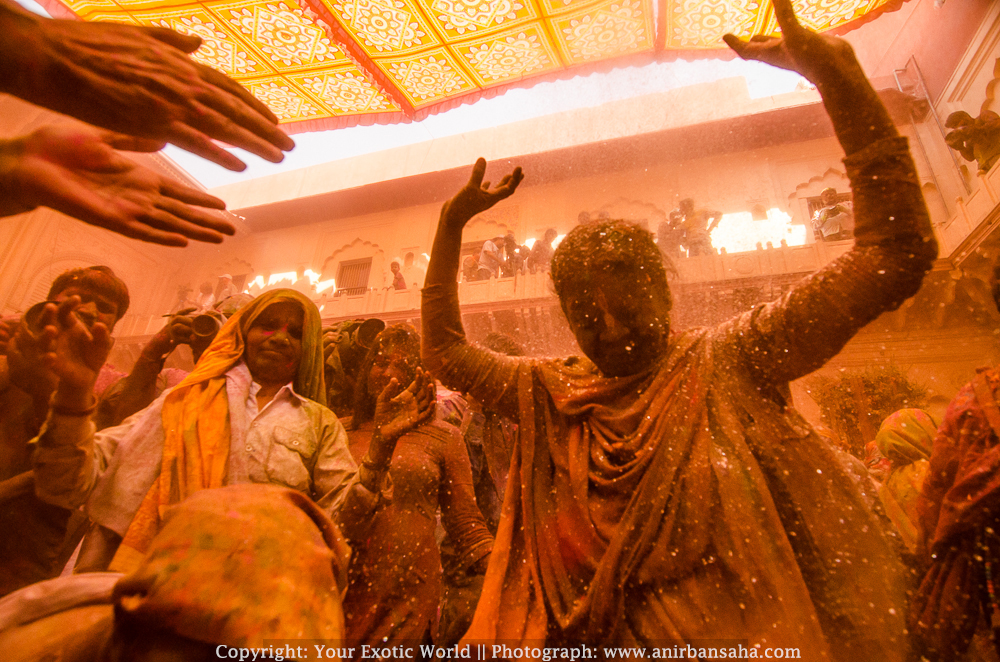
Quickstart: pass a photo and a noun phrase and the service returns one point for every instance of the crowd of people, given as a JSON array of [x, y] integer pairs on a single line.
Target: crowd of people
[[503, 257], [290, 486]]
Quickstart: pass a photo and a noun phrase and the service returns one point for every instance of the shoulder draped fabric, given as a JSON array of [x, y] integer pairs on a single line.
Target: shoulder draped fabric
[[690, 501], [654, 490], [905, 439], [196, 421], [958, 513]]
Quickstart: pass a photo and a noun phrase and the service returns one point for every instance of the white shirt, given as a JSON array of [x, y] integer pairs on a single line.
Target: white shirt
[[292, 442]]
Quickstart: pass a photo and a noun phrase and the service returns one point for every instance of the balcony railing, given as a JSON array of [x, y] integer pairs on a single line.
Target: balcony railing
[[975, 218]]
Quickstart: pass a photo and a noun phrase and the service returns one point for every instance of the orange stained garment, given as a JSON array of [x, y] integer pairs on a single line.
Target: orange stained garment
[[690, 501], [395, 575]]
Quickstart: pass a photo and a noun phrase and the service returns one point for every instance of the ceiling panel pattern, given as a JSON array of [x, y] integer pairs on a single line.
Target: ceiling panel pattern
[[325, 64]]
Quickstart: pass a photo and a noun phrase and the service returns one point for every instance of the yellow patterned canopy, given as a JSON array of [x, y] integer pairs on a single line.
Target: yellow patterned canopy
[[325, 64]]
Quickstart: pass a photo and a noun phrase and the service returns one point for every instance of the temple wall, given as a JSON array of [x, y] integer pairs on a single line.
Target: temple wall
[[777, 177], [935, 36]]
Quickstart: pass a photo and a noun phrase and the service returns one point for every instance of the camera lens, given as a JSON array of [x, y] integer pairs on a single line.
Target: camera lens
[[205, 325]]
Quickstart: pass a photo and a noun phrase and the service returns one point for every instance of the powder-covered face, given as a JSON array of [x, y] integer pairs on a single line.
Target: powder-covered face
[[95, 306], [391, 361], [274, 343], [621, 325]]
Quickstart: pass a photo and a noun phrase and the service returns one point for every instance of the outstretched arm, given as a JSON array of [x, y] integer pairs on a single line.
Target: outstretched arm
[[76, 171], [715, 217], [858, 117], [894, 244], [454, 361], [135, 80]]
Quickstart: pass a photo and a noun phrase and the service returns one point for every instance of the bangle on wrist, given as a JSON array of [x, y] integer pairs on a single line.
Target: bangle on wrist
[[372, 477], [66, 411], [371, 465]]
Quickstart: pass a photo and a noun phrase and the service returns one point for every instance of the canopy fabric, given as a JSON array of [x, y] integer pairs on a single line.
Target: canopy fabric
[[327, 64]]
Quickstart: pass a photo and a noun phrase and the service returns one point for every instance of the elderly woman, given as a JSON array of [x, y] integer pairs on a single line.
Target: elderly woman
[[251, 411], [666, 490], [395, 576]]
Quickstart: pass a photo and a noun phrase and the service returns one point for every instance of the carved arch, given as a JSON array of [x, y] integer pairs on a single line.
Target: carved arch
[[637, 211], [495, 222], [358, 249], [991, 88], [797, 204]]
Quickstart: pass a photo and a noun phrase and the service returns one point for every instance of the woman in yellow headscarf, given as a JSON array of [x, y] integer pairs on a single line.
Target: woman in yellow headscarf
[[253, 410]]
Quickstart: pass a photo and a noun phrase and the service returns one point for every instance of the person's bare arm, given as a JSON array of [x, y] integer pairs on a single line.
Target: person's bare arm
[[715, 217], [138, 389], [894, 244], [76, 170], [135, 80], [445, 351]]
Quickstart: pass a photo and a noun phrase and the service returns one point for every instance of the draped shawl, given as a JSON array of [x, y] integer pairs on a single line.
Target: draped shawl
[[624, 490]]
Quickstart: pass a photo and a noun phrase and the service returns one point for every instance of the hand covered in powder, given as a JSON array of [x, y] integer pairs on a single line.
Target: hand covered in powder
[[76, 170], [477, 196], [135, 80], [397, 411]]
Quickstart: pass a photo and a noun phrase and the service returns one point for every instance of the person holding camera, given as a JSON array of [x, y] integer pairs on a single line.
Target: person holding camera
[[149, 378], [41, 545]]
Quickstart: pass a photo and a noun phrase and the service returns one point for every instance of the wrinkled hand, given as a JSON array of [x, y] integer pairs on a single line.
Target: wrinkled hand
[[396, 413], [76, 170], [476, 196], [181, 327], [25, 352], [73, 352], [140, 81], [8, 327], [818, 57]]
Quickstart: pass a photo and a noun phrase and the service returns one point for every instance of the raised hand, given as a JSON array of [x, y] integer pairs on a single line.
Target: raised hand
[[399, 411], [477, 196], [74, 352], [25, 349], [135, 80], [858, 115], [177, 331], [815, 56], [76, 170]]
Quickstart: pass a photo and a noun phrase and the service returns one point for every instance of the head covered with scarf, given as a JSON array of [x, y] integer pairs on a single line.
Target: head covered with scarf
[[906, 436], [238, 567], [905, 439], [196, 420], [229, 345]]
